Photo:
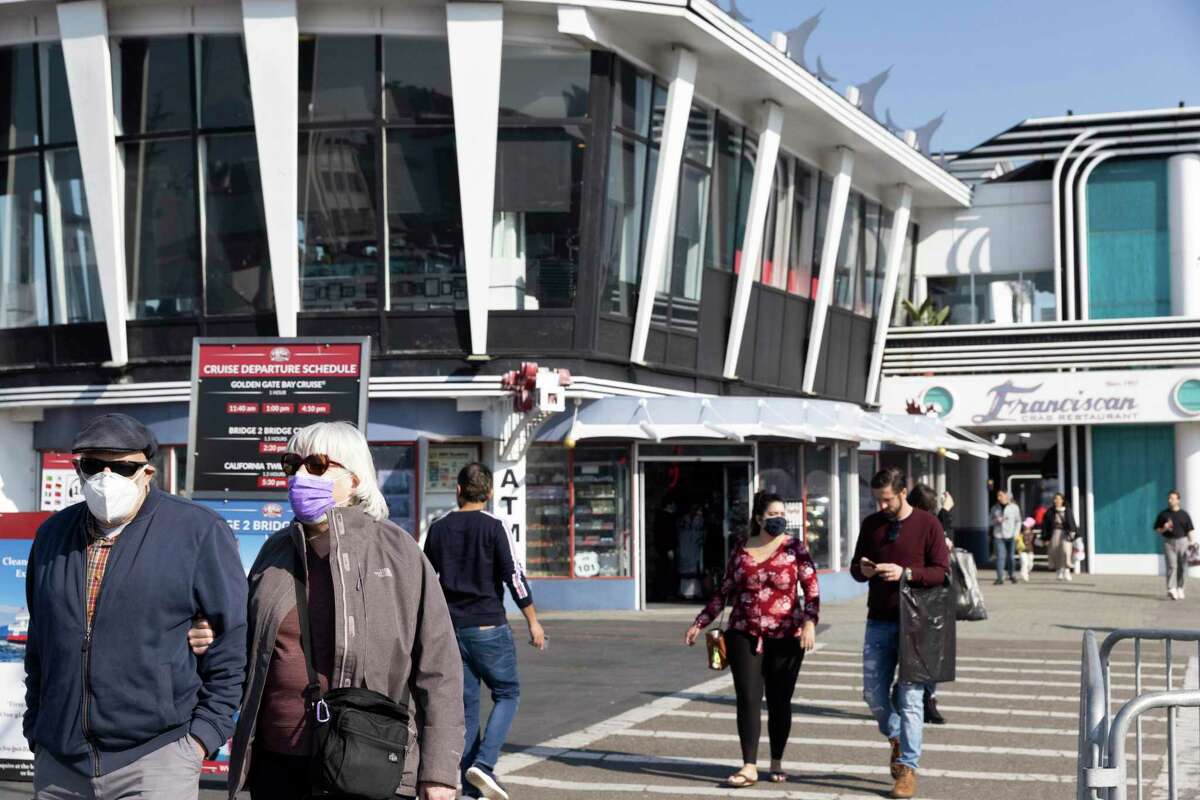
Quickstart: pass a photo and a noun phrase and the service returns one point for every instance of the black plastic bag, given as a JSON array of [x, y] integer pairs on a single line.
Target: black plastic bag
[[927, 633], [966, 586]]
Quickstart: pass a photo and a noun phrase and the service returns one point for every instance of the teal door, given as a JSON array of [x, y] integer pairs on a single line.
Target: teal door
[[1133, 468]]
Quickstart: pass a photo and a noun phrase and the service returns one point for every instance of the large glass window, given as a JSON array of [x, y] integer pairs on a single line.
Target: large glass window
[[535, 239], [540, 82], [23, 293], [847, 275], [1001, 299], [818, 497], [425, 240], [722, 229], [824, 196], [905, 279], [47, 262], [601, 519], [339, 246], [799, 257], [338, 78], [195, 231], [425, 262], [547, 512], [396, 465], [864, 300], [161, 236], [886, 219]]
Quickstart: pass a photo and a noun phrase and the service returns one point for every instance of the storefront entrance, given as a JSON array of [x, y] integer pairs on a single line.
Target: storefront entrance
[[693, 510]]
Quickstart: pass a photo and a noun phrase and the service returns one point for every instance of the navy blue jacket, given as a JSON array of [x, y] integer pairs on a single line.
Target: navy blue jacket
[[99, 704], [474, 557]]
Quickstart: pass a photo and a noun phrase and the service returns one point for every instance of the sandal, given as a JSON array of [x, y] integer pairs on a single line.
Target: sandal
[[740, 780], [779, 777]]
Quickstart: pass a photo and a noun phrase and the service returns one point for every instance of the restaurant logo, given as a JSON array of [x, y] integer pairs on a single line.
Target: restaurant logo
[[280, 355], [272, 510], [1010, 402]]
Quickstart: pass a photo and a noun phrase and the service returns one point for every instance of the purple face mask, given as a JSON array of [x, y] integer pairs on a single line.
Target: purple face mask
[[311, 497]]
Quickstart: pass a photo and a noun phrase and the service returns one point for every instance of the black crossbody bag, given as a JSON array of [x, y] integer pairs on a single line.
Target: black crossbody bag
[[361, 735]]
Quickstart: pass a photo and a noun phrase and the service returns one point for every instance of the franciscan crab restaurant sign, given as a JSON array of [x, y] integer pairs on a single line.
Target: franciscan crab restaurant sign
[[1049, 398], [250, 395]]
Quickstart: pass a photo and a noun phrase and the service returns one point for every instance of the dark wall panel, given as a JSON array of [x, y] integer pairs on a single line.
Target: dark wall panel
[[526, 333], [715, 298], [80, 344], [681, 350], [260, 325], [748, 355], [797, 315], [769, 335], [161, 339], [860, 358], [820, 380], [24, 347], [429, 333], [656, 347], [615, 337]]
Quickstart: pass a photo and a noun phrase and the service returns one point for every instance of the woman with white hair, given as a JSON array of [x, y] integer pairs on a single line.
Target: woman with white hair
[[376, 621]]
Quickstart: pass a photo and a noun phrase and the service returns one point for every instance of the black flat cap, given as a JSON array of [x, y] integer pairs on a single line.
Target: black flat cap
[[119, 433]]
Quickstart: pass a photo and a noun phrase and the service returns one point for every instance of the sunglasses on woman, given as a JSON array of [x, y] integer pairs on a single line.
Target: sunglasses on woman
[[93, 466], [316, 464]]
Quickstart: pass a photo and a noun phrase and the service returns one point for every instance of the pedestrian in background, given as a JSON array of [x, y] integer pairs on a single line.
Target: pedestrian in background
[[1177, 530], [1006, 524], [771, 583], [116, 707], [897, 542], [376, 618], [1063, 532], [475, 559], [924, 498]]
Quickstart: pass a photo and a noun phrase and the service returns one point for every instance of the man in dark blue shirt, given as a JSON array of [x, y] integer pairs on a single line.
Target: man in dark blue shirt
[[474, 556]]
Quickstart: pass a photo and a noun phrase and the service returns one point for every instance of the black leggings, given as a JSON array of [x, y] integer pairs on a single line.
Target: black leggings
[[774, 669]]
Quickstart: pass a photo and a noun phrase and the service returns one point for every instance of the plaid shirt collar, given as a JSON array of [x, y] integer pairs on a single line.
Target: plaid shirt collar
[[95, 536]]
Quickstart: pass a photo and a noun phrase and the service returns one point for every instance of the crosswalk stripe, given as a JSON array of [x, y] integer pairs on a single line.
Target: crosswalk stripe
[[569, 788], [809, 719], [873, 744], [963, 679], [1147, 665], [991, 670], [1007, 775]]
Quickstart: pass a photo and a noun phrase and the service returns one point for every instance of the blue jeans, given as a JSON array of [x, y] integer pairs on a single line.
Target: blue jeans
[[901, 715], [488, 655], [1006, 551]]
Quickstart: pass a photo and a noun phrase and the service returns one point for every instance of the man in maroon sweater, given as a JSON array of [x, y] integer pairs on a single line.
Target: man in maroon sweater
[[896, 542]]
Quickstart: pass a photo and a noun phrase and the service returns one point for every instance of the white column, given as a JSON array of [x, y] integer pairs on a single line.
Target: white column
[[1085, 307], [272, 56], [891, 275], [475, 32], [1056, 213], [1183, 225], [756, 221], [1187, 462], [1075, 229], [1089, 495], [666, 186], [829, 251], [835, 507], [84, 30]]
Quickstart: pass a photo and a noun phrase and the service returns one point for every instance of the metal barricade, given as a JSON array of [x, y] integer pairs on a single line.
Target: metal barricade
[[1103, 769]]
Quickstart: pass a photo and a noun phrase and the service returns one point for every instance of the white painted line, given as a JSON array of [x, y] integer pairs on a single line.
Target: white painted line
[[873, 744], [570, 788], [803, 767], [1147, 665], [1129, 687], [1024, 671], [809, 719]]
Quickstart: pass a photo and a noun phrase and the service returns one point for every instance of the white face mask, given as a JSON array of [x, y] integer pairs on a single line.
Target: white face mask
[[111, 497]]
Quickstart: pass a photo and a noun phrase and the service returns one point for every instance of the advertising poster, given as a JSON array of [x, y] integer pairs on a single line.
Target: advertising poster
[[60, 483], [445, 462], [250, 395], [16, 539]]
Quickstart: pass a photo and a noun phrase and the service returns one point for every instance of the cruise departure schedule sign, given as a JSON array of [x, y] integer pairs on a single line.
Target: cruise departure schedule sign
[[250, 395]]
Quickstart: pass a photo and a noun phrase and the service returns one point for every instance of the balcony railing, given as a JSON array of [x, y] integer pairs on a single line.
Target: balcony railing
[[1046, 346]]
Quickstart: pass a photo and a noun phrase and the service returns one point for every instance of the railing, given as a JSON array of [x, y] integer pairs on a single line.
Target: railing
[[1102, 772], [1041, 346]]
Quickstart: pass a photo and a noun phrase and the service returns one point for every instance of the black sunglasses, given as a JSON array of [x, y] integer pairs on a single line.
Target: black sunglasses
[[316, 463], [92, 466], [893, 530]]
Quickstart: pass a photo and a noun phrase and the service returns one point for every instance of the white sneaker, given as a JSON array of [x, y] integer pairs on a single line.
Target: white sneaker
[[1067, 575], [1179, 594], [1173, 594]]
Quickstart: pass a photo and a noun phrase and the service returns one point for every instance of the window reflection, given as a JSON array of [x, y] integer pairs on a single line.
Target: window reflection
[[22, 254], [18, 105], [58, 125], [623, 213], [152, 84], [337, 78], [237, 260], [416, 80], [223, 83], [76, 287], [1000, 299], [339, 243], [162, 247], [849, 256], [538, 82]]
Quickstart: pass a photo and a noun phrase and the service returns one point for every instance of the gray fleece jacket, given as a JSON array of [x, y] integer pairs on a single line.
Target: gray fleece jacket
[[391, 627]]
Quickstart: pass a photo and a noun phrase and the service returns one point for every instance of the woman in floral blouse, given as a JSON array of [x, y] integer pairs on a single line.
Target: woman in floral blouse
[[771, 584]]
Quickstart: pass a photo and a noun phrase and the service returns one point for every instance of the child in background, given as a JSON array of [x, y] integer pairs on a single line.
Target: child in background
[[1025, 547]]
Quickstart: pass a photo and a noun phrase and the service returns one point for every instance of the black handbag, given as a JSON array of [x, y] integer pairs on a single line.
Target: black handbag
[[361, 735], [927, 632]]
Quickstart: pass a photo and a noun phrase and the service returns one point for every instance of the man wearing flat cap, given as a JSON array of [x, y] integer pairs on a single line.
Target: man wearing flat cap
[[118, 706]]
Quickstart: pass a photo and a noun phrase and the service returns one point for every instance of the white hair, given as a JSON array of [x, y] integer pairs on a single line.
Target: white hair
[[345, 444]]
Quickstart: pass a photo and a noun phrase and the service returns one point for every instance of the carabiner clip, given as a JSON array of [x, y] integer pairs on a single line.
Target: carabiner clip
[[322, 712]]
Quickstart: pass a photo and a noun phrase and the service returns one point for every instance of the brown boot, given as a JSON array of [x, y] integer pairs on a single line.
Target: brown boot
[[906, 783], [895, 758]]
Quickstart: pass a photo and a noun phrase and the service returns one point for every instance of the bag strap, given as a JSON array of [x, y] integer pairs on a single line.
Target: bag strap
[[312, 692]]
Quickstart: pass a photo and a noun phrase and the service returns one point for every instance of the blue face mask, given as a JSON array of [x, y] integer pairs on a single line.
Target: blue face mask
[[775, 525], [311, 497]]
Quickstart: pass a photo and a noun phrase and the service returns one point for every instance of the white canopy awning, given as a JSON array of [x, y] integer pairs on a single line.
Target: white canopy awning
[[657, 419]]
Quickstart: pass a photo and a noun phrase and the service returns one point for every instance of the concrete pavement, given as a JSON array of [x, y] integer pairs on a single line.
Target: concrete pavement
[[618, 708]]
